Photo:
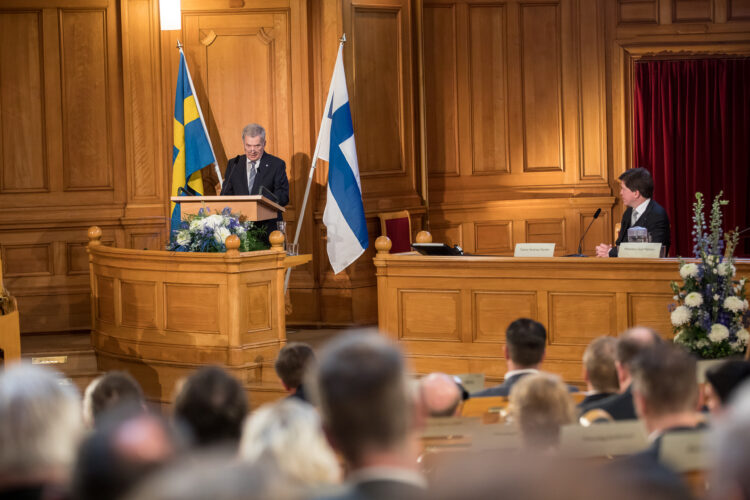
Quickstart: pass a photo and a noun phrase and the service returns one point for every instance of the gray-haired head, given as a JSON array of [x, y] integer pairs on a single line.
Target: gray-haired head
[[41, 422], [254, 130]]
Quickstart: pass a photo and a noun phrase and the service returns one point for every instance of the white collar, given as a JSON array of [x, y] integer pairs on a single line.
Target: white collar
[[513, 373], [641, 208], [399, 474]]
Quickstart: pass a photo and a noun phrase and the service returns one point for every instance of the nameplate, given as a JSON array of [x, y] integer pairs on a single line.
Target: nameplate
[[448, 427], [49, 360], [496, 437], [534, 250], [472, 382], [639, 250], [604, 440], [685, 451]]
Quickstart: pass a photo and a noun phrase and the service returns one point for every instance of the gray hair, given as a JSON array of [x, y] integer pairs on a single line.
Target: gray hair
[[41, 421], [290, 433], [254, 130]]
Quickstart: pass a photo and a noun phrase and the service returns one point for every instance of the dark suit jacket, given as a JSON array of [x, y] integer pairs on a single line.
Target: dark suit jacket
[[380, 489], [620, 406], [504, 388], [654, 219], [590, 401], [271, 175]]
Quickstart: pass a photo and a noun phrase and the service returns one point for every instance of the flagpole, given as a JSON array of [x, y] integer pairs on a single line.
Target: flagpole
[[200, 113], [313, 165]]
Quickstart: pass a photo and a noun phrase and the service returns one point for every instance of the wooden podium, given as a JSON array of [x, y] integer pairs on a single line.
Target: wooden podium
[[254, 207]]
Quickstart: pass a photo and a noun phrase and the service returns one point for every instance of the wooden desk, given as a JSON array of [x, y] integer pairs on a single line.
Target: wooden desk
[[450, 313]]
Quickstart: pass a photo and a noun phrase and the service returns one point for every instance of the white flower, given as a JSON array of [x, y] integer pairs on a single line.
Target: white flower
[[716, 296], [195, 225], [726, 269], [693, 299], [680, 316], [183, 237], [734, 304], [702, 343], [239, 230], [688, 271], [743, 336], [221, 234], [214, 221], [718, 332], [712, 259]]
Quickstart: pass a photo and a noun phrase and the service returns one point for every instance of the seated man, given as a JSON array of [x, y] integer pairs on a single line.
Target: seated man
[[114, 389], [630, 344], [291, 364], [599, 371], [440, 394], [525, 340], [636, 189]]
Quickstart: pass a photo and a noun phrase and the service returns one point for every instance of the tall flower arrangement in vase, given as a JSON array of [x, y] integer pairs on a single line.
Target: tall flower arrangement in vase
[[711, 317]]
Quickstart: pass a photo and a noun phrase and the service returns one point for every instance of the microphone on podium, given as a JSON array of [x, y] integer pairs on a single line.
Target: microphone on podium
[[580, 243]]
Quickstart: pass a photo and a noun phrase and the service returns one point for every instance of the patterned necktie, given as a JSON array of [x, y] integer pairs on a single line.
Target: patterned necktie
[[633, 218], [251, 177]]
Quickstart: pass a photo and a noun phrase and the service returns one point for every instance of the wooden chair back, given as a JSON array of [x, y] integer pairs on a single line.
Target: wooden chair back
[[397, 226]]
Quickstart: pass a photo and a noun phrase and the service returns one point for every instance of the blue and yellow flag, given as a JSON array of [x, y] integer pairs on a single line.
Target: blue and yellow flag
[[192, 148]]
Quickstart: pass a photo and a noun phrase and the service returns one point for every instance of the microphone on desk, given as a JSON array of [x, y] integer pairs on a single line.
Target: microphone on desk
[[580, 243]]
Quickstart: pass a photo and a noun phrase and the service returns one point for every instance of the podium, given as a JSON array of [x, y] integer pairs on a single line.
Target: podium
[[254, 208]]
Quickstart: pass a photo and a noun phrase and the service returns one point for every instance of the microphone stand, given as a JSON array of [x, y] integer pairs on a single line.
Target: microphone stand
[[580, 242]]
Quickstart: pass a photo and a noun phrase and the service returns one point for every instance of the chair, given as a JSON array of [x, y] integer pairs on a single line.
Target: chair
[[397, 227], [10, 337]]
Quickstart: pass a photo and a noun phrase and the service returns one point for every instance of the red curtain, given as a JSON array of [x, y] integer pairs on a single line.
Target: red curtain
[[692, 131]]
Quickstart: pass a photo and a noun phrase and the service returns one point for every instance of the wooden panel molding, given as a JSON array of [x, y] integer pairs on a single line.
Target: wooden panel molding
[[137, 303], [493, 237], [637, 11], [258, 300], [649, 310], [546, 231], [565, 325], [105, 299], [738, 10], [23, 163], [692, 11], [191, 308], [430, 315], [27, 260], [493, 311]]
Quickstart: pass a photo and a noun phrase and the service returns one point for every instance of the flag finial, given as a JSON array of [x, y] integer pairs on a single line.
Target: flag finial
[[343, 38], [179, 45]]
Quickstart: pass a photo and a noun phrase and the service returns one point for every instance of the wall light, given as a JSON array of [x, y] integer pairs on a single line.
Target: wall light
[[169, 12]]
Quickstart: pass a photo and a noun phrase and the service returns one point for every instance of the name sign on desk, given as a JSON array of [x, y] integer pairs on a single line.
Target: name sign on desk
[[534, 250], [639, 250], [685, 451], [603, 440]]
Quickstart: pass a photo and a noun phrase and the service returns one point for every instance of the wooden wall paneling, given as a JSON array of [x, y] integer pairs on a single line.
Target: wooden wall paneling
[[430, 315], [692, 11], [738, 10], [637, 11], [146, 157], [23, 163], [494, 311]]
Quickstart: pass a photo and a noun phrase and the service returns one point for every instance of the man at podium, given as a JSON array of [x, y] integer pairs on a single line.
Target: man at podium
[[257, 172]]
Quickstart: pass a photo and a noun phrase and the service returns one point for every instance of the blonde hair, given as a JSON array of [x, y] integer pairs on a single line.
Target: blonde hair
[[289, 432], [540, 404]]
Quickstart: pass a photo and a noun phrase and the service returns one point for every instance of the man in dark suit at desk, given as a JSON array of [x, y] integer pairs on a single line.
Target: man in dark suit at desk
[[636, 189], [257, 172]]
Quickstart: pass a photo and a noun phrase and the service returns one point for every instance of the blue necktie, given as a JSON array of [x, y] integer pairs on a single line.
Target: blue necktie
[[251, 177]]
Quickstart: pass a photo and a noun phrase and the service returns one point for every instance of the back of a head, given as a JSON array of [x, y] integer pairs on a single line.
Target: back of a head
[[540, 404], [726, 377], [599, 362], [731, 440], [213, 405], [665, 377], [526, 340], [364, 399], [127, 445], [633, 342], [112, 390], [639, 179], [440, 395], [291, 363], [40, 422], [289, 433]]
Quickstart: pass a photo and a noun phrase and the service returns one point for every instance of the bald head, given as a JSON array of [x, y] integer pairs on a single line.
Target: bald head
[[440, 394], [630, 344]]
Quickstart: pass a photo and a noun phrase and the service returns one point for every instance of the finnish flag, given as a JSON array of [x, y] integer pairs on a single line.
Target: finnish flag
[[344, 215]]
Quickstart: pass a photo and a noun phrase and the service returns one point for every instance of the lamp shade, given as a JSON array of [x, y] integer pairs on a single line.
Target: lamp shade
[[170, 15]]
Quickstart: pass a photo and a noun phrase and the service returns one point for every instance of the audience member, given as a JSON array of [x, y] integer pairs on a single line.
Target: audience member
[[599, 371], [440, 395], [540, 404], [218, 477], [40, 428], [291, 364], [665, 394], [212, 404], [731, 438], [86, 404], [630, 344], [114, 389], [722, 380], [127, 445], [369, 416], [289, 433], [524, 351]]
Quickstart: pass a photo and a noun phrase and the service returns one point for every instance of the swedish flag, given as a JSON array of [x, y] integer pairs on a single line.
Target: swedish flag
[[192, 147]]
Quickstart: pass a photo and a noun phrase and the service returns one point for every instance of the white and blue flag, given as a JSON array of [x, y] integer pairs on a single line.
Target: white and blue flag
[[344, 215]]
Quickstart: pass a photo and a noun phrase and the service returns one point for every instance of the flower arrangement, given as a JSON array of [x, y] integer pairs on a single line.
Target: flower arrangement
[[711, 314], [206, 232]]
